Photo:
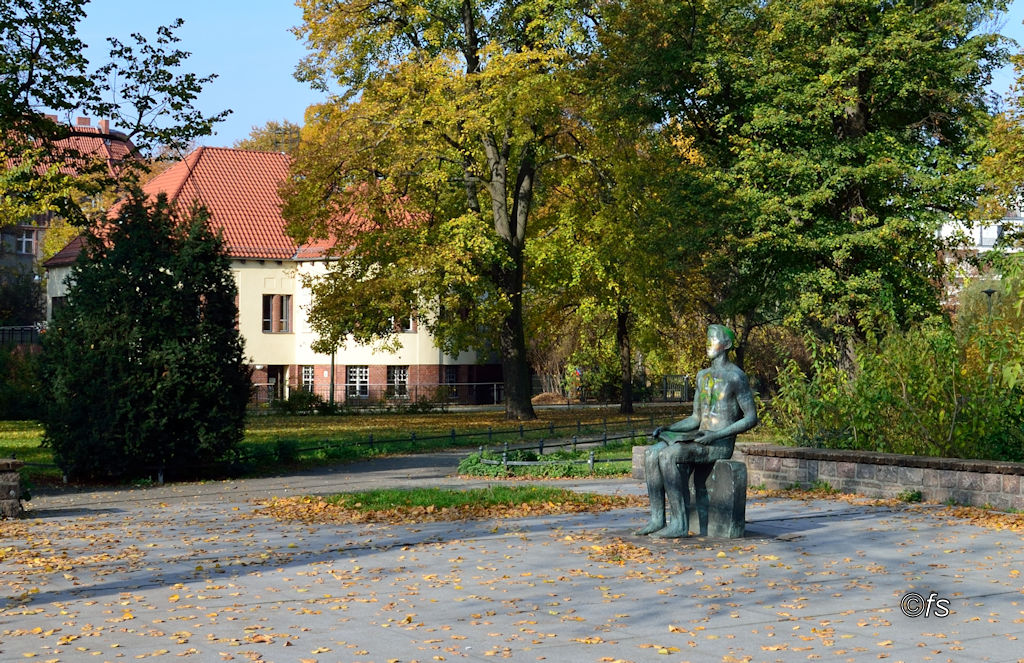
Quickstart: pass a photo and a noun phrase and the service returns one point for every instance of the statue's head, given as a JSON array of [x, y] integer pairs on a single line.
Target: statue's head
[[720, 340]]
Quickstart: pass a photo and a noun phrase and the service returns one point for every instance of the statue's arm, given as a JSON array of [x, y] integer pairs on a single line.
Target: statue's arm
[[683, 425]]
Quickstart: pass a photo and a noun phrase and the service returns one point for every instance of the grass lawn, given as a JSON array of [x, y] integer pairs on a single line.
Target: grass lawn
[[433, 504], [275, 441]]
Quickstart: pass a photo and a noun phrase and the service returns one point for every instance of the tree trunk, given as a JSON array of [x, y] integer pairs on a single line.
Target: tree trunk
[[622, 320], [510, 226], [512, 340]]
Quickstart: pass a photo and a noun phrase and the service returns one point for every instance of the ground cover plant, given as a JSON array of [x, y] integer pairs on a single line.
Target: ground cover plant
[[434, 504], [612, 459]]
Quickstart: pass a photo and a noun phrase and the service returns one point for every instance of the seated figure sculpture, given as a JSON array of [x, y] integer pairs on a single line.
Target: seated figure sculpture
[[722, 409]]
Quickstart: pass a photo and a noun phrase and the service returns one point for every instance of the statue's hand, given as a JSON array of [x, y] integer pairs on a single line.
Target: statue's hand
[[657, 432], [705, 437]]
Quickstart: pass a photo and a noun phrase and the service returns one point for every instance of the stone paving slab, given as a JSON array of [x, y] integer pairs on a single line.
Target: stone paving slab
[[190, 572]]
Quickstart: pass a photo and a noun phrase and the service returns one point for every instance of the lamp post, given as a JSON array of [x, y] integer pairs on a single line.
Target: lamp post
[[988, 294]]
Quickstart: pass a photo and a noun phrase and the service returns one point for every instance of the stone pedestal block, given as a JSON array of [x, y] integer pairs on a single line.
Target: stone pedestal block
[[726, 481], [638, 461], [10, 488]]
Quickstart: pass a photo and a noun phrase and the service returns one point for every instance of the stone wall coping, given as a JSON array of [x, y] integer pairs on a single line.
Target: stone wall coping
[[878, 458], [10, 464]]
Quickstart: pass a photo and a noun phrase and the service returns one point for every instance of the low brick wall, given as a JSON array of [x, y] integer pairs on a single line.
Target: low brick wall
[[969, 482]]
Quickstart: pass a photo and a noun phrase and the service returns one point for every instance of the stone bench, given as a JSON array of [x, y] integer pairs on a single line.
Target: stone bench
[[726, 482], [10, 488]]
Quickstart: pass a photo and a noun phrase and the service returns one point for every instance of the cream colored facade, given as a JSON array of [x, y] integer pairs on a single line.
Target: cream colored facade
[[256, 278], [279, 357]]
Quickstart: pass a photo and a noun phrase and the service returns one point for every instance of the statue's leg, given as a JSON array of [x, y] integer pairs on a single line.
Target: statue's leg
[[701, 472], [655, 489], [675, 472]]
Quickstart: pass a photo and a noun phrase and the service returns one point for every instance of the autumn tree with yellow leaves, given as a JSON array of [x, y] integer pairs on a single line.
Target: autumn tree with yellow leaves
[[426, 168]]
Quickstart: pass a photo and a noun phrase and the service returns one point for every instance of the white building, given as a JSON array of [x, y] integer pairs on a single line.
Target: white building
[[240, 190]]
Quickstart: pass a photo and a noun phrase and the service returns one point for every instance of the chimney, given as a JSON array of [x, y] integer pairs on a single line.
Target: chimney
[[82, 121], [104, 126], [51, 118]]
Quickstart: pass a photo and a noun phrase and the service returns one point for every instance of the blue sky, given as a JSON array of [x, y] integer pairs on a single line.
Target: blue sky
[[246, 42], [249, 45]]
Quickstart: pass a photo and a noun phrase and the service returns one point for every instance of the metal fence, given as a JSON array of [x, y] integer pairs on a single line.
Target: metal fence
[[19, 335], [373, 395], [663, 389], [658, 389]]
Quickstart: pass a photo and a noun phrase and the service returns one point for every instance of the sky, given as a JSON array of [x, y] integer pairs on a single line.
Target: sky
[[249, 45]]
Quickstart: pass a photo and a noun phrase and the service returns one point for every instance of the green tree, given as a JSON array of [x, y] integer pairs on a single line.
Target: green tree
[[619, 248], [452, 112], [273, 136], [848, 131], [43, 70], [144, 363]]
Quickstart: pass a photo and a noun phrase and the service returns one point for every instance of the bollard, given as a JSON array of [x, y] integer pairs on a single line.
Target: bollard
[[520, 431], [540, 447], [574, 443], [590, 462], [504, 460]]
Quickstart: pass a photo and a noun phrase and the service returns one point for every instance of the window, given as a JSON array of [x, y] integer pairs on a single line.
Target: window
[[277, 314], [25, 241], [357, 381], [398, 381], [308, 378], [404, 325], [451, 378], [57, 304]]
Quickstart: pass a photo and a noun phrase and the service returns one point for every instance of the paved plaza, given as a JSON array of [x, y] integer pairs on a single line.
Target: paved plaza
[[191, 572]]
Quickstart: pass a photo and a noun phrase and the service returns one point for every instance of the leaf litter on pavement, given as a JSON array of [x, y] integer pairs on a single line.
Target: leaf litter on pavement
[[204, 611]]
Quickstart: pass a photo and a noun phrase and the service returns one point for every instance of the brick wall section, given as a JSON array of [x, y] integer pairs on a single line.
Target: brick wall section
[[970, 482]]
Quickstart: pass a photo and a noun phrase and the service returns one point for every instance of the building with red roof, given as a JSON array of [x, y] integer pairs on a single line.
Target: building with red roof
[[21, 240], [239, 189]]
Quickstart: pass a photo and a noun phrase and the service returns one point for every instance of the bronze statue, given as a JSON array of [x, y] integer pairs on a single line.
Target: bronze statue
[[723, 407]]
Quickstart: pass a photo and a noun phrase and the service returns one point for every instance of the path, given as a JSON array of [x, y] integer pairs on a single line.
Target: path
[[189, 572]]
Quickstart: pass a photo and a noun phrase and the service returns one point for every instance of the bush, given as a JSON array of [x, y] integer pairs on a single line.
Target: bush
[[20, 396], [928, 391], [299, 401], [144, 365]]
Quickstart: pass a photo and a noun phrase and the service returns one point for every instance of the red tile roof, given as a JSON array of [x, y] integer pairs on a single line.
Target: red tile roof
[[240, 190], [68, 254], [88, 143]]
